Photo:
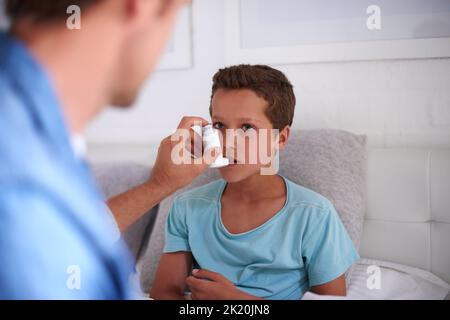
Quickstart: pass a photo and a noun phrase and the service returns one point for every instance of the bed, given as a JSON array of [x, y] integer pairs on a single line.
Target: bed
[[405, 228]]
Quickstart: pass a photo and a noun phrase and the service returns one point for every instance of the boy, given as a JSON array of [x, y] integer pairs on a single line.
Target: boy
[[252, 236]]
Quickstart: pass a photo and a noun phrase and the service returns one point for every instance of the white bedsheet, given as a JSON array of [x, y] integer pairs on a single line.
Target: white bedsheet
[[396, 282]]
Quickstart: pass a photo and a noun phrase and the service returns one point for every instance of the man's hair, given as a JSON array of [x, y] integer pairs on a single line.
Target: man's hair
[[42, 10], [268, 83]]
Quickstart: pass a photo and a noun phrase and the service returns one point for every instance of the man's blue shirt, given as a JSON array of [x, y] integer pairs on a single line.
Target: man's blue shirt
[[56, 241]]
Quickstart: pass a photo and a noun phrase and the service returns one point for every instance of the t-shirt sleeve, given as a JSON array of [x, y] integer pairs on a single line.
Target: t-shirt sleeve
[[327, 249], [176, 229]]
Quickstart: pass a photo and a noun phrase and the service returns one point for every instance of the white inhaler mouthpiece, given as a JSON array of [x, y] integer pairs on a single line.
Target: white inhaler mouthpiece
[[211, 139]]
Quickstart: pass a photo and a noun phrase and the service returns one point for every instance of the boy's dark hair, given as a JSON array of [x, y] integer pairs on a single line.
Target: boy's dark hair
[[42, 10], [268, 83]]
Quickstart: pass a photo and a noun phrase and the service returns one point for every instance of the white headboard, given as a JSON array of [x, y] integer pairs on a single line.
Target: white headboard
[[408, 215]]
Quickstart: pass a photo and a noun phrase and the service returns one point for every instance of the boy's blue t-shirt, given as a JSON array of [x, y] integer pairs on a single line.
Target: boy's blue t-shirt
[[305, 244]]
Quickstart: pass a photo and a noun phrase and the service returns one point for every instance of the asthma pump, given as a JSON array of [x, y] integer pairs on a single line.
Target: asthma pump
[[211, 139]]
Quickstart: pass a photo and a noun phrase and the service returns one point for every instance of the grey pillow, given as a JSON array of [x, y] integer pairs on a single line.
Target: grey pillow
[[334, 164], [113, 179], [330, 162]]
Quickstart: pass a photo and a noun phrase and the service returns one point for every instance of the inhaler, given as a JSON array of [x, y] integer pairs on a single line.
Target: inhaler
[[211, 139]]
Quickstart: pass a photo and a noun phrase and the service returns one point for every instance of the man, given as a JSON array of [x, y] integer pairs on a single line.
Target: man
[[56, 240]]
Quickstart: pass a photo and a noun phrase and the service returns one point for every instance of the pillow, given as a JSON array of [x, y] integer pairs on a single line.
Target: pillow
[[334, 164], [113, 179], [330, 162]]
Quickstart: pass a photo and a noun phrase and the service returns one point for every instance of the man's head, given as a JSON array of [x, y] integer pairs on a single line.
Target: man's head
[[41, 11], [250, 99], [133, 31]]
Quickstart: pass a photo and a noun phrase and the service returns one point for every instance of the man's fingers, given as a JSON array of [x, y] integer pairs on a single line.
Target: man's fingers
[[188, 122], [195, 144], [211, 155], [206, 274]]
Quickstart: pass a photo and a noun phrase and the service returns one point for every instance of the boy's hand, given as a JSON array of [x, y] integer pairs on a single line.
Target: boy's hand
[[208, 285]]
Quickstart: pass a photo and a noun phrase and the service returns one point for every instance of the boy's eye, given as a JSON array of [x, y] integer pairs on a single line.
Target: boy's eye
[[218, 125], [247, 126]]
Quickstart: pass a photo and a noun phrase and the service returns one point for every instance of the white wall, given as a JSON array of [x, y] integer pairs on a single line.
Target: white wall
[[396, 103]]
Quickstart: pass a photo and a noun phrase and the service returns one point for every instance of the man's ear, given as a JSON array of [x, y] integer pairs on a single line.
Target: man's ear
[[131, 8], [283, 137], [142, 11]]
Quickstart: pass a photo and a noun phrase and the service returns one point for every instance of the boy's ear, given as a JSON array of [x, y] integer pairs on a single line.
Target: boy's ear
[[283, 137]]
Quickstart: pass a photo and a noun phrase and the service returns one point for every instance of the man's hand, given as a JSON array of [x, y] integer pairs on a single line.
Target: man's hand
[[170, 176], [208, 285], [166, 177]]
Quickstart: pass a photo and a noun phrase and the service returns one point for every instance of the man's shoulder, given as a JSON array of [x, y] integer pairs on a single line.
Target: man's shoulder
[[15, 120], [20, 146], [11, 103]]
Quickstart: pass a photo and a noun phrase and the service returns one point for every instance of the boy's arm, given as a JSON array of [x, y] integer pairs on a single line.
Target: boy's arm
[[170, 279], [335, 287]]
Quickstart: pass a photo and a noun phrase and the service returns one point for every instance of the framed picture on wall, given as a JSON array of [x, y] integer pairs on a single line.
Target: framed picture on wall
[[304, 31], [178, 54]]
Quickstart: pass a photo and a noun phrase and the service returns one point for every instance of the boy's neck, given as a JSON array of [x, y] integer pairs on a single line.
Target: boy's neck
[[256, 187]]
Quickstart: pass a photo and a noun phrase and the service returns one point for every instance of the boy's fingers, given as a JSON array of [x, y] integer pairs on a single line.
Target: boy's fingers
[[190, 281], [193, 282], [206, 274]]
